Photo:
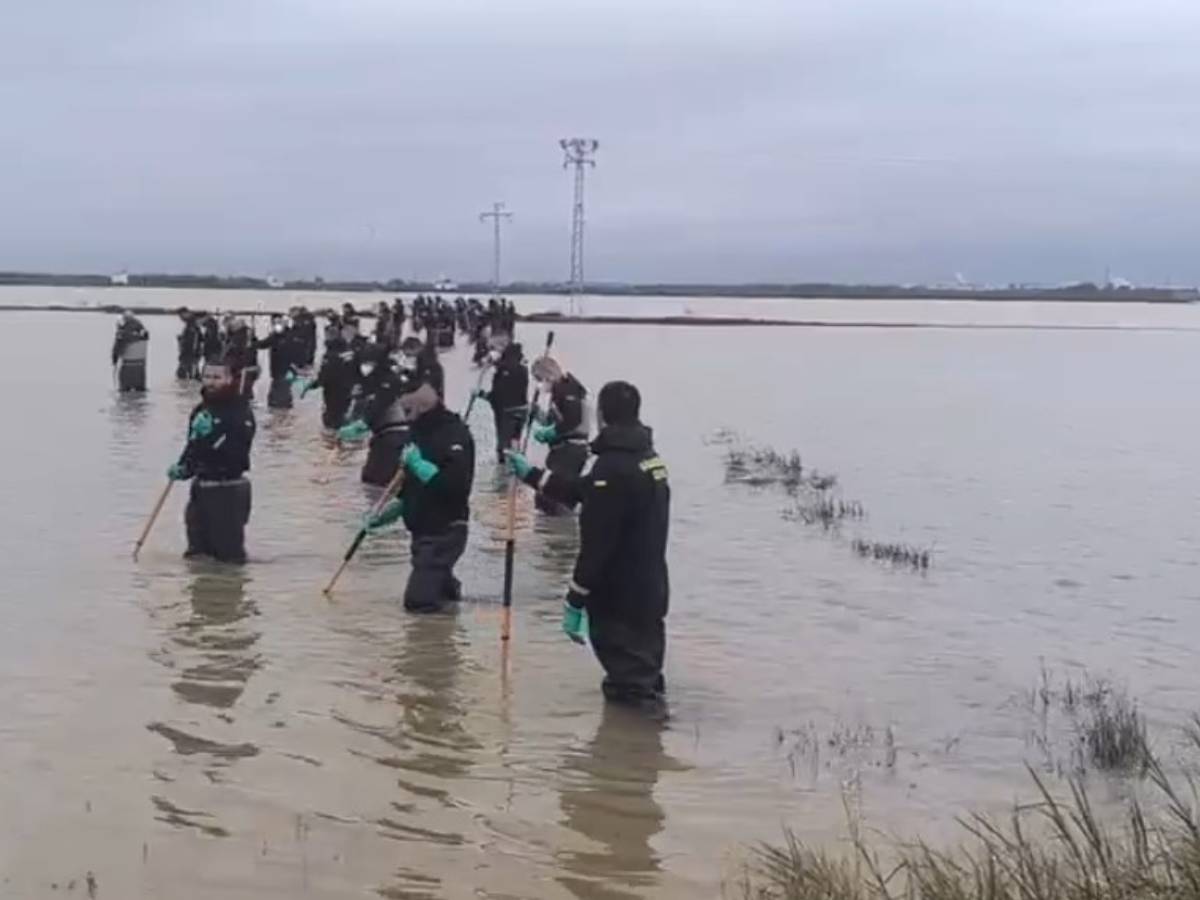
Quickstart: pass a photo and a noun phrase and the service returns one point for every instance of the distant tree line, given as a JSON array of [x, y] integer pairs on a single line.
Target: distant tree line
[[1085, 290]]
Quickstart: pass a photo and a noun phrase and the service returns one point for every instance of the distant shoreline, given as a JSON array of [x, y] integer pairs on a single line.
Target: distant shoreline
[[1083, 292], [687, 321]]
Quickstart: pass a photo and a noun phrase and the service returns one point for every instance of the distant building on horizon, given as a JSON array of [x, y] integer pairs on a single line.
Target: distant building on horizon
[[121, 279]]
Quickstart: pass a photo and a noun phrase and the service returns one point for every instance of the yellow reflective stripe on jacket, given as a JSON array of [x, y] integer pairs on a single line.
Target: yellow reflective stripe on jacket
[[655, 467]]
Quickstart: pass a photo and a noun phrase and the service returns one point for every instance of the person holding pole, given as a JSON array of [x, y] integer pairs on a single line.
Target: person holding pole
[[564, 426], [509, 395], [434, 501], [215, 459], [619, 591]]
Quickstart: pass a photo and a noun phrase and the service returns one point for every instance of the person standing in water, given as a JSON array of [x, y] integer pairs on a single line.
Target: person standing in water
[[213, 346], [305, 325], [286, 354], [564, 428], [216, 458], [191, 347], [241, 352], [509, 395], [435, 499], [336, 378], [620, 589], [129, 352], [383, 416]]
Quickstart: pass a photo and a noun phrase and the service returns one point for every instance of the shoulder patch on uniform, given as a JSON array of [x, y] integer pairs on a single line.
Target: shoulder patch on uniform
[[655, 467]]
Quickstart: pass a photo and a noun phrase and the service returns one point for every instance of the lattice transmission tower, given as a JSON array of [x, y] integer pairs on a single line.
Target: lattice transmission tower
[[497, 215], [580, 153]]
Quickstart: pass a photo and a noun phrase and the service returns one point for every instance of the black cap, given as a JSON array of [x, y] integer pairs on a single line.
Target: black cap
[[619, 403]]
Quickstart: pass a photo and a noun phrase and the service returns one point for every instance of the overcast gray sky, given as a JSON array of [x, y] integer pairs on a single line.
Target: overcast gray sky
[[852, 140]]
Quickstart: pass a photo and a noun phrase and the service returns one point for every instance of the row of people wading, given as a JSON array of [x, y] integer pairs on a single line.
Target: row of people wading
[[388, 389]]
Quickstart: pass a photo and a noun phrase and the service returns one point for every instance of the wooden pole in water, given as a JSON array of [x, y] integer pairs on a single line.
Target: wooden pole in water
[[392, 488], [478, 386], [162, 498], [510, 541]]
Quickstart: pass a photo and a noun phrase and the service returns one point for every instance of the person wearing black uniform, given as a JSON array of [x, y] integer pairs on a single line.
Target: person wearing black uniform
[[430, 371], [216, 459], [337, 377], [191, 347], [286, 354], [383, 327], [619, 590], [129, 353], [383, 418], [241, 353], [564, 428], [435, 499], [509, 395], [304, 323], [214, 344]]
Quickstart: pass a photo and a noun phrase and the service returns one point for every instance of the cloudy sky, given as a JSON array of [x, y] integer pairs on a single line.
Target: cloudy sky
[[850, 140]]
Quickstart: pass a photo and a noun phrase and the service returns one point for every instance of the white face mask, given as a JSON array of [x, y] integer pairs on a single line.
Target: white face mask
[[278, 329], [366, 369], [409, 362]]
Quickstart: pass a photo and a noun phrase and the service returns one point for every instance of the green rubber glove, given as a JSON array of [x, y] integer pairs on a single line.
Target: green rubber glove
[[353, 431], [306, 386], [176, 472], [392, 512], [518, 464], [415, 462], [545, 434], [292, 377], [202, 424], [575, 622]]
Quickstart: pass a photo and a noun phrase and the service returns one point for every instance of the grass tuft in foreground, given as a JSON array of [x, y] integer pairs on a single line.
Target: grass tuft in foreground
[[1054, 849]]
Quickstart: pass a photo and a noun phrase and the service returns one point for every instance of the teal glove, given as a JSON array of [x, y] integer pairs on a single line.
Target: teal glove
[[518, 464], [479, 394], [307, 386], [353, 431], [176, 472], [292, 377], [416, 463], [202, 424], [545, 434], [392, 512], [575, 622]]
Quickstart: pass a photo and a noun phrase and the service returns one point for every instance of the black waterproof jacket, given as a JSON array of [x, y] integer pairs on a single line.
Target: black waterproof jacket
[[444, 440], [510, 381], [338, 374], [286, 351], [625, 506], [383, 389], [224, 454]]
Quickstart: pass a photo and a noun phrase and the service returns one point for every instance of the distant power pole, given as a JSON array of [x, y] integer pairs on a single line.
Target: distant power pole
[[580, 153], [497, 215]]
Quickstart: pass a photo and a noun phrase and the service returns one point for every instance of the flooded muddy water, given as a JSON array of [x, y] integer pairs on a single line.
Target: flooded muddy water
[[185, 730]]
